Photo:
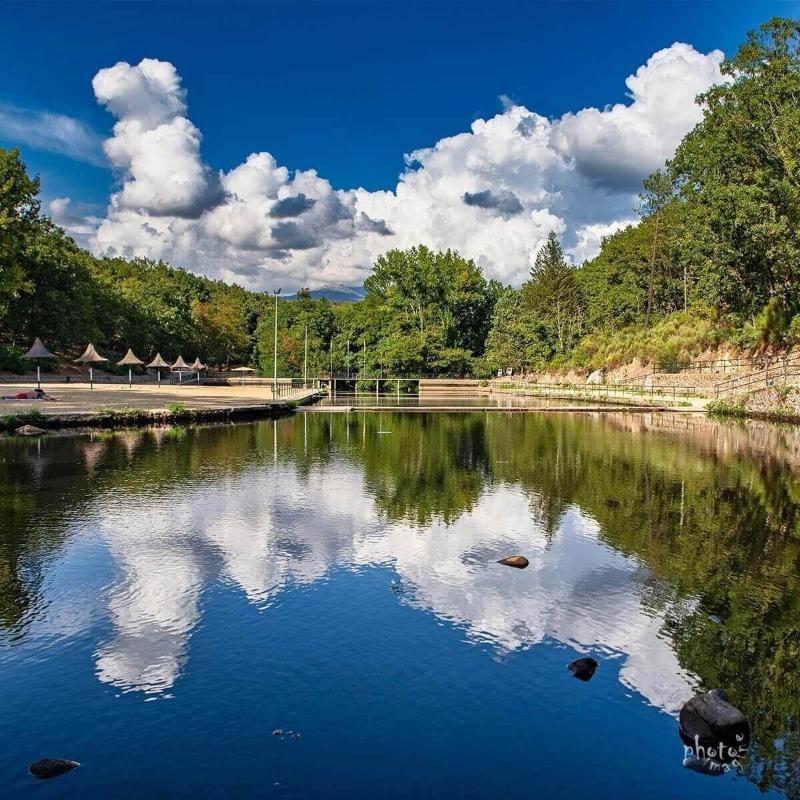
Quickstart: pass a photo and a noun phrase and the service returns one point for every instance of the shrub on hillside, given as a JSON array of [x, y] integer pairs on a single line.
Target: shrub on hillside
[[675, 339]]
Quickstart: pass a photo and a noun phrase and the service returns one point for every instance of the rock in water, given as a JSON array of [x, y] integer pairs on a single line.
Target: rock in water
[[520, 562], [711, 721], [29, 430], [51, 767], [706, 766], [583, 668]]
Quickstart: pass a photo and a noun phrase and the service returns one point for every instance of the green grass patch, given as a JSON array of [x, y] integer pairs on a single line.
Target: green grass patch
[[124, 413]]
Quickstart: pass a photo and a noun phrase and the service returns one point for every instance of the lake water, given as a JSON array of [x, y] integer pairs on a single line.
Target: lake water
[[170, 597], [460, 401]]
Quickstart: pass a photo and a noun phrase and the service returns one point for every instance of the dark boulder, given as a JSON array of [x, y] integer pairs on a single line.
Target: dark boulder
[[583, 668], [520, 562], [710, 721], [51, 767]]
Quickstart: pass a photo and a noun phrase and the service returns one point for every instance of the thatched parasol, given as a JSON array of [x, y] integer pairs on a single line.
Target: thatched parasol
[[130, 360], [243, 370], [158, 364], [90, 356], [37, 352], [198, 367], [180, 366]]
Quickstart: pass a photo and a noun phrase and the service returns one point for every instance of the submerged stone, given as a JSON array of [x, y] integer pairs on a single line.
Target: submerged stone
[[583, 668], [280, 732], [520, 562], [29, 430], [51, 767], [710, 721]]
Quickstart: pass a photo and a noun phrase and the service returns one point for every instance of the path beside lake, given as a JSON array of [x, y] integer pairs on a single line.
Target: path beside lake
[[74, 399]]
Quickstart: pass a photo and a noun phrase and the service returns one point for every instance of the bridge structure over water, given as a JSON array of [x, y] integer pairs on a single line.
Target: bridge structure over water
[[392, 384]]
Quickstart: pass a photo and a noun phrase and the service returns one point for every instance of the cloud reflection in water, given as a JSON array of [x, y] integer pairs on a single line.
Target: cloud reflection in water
[[267, 528]]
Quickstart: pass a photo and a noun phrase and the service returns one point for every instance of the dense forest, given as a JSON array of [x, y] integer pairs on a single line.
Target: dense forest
[[714, 258]]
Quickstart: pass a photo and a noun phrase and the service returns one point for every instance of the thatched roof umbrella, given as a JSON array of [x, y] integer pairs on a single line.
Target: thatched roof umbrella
[[243, 370], [198, 367], [90, 356], [37, 352], [180, 366], [158, 364], [130, 361]]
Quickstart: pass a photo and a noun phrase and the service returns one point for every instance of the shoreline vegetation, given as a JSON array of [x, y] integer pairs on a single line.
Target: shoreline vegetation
[[712, 267]]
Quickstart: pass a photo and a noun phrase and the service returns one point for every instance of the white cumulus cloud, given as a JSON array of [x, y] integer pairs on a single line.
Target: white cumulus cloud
[[154, 146], [493, 192]]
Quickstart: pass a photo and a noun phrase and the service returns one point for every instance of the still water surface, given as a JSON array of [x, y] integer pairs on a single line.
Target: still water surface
[[460, 401], [170, 597]]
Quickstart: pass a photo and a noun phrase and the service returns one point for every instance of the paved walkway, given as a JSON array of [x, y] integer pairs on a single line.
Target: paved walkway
[[79, 399]]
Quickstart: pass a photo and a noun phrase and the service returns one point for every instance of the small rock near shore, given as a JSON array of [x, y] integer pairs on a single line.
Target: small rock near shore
[[520, 562], [29, 430], [583, 668], [51, 767]]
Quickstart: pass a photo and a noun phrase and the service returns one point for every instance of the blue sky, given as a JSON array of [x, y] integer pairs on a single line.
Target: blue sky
[[343, 88]]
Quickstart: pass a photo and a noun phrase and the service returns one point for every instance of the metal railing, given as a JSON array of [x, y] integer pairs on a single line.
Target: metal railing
[[700, 365], [603, 390], [776, 370]]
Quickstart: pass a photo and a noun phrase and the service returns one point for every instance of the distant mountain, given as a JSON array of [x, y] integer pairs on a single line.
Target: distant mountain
[[336, 294]]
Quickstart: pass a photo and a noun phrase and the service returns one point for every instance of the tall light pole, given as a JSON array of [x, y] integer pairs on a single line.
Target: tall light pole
[[276, 292], [305, 362], [348, 358]]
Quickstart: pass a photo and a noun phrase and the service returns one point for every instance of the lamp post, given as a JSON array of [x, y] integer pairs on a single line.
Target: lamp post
[[305, 362], [348, 358], [276, 292]]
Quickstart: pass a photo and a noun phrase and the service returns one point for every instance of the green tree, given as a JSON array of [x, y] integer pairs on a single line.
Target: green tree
[[19, 211], [297, 318], [221, 326], [554, 295], [654, 202], [740, 167], [422, 289]]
